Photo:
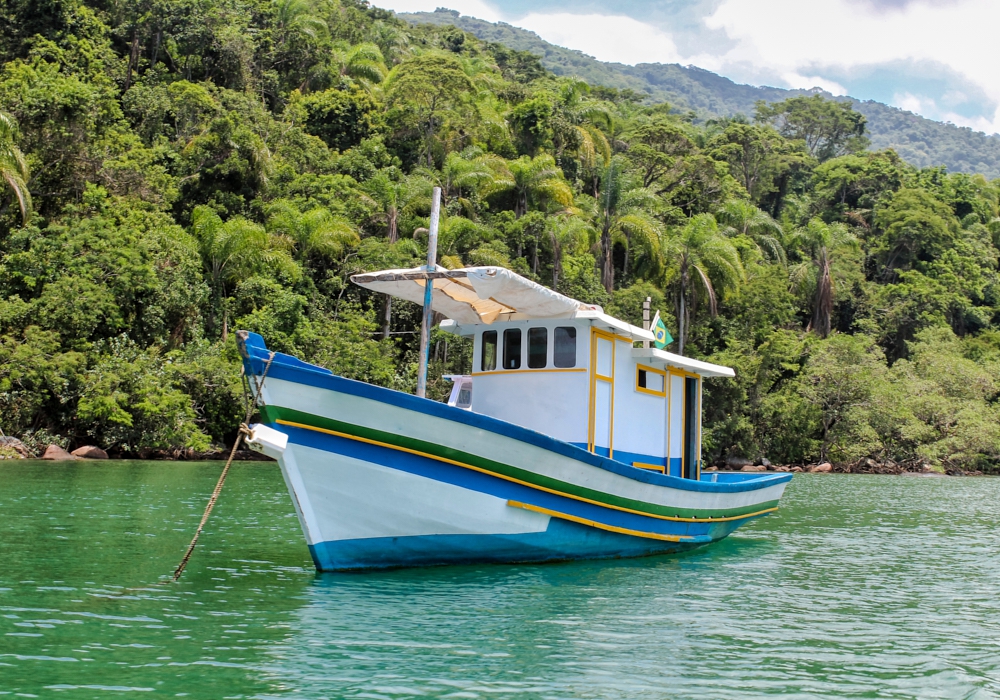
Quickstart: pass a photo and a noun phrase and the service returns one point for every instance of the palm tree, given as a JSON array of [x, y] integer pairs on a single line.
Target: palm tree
[[392, 42], [741, 218], [536, 180], [701, 258], [819, 241], [566, 233], [13, 167], [233, 250], [393, 197], [468, 172], [316, 232], [296, 17], [362, 62], [624, 217]]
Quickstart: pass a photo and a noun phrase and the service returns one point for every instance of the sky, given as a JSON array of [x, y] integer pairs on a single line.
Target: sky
[[937, 58]]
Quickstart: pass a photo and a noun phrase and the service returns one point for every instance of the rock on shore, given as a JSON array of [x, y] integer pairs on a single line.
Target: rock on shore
[[58, 454], [89, 452]]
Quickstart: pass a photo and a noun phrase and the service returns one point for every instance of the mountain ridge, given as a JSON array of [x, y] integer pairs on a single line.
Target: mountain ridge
[[920, 141]]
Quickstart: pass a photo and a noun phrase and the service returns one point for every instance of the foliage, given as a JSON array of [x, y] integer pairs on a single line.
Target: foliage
[[171, 171]]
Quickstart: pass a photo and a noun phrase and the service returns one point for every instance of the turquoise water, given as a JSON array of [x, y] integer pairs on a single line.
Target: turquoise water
[[860, 587]]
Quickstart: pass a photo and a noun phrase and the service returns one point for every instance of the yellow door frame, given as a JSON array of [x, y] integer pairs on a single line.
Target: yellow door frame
[[595, 335]]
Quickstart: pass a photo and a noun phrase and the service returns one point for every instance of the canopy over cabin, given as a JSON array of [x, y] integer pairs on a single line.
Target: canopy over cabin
[[553, 364]]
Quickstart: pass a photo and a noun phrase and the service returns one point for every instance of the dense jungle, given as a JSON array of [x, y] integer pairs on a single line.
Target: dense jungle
[[171, 171]]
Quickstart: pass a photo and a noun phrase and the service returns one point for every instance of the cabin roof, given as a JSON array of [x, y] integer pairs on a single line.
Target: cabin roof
[[703, 369], [474, 294]]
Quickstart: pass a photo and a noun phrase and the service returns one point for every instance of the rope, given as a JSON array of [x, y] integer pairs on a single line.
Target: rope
[[244, 430]]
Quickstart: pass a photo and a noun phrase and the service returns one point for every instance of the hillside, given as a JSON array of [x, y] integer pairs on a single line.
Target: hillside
[[921, 142]]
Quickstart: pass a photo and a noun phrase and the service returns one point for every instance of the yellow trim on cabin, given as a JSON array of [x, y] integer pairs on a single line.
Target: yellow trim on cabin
[[398, 448], [654, 467], [595, 334], [600, 526], [650, 370], [529, 371]]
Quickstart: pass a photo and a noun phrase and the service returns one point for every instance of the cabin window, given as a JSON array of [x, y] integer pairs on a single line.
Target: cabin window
[[564, 352], [512, 348], [488, 360], [650, 381], [538, 347]]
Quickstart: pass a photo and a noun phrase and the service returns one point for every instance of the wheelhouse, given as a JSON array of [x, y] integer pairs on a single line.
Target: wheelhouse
[[566, 369]]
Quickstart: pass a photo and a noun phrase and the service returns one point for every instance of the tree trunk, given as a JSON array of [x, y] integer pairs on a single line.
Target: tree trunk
[[393, 225], [534, 258], [823, 308], [133, 59], [387, 317], [556, 262], [607, 262], [681, 318]]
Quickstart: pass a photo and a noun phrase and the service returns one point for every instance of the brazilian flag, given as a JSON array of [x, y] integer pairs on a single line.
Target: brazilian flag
[[661, 336]]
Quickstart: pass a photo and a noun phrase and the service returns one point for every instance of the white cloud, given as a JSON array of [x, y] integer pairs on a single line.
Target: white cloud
[[792, 36], [914, 103], [804, 82], [605, 37]]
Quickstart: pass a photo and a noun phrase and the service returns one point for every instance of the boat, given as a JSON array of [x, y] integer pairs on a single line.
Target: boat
[[572, 437]]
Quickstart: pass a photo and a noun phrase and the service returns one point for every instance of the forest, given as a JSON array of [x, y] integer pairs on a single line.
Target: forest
[[171, 171]]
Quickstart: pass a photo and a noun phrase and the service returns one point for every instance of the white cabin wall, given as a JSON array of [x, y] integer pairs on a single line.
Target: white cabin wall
[[554, 404], [639, 417], [553, 401], [675, 421]]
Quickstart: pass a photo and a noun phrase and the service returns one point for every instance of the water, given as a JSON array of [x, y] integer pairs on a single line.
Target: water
[[861, 587]]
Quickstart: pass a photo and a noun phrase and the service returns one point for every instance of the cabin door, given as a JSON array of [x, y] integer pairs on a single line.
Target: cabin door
[[602, 394], [692, 428]]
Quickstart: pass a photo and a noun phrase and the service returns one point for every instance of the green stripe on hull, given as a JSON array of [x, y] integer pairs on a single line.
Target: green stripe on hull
[[272, 414]]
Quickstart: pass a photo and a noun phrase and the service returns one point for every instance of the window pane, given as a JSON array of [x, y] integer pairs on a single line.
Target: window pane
[[564, 352], [642, 379], [538, 347], [654, 382], [512, 348], [489, 358]]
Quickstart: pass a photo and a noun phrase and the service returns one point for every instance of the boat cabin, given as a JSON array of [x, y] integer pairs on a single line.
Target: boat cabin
[[564, 368]]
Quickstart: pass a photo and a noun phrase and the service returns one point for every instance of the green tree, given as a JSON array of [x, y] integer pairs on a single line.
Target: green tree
[[699, 257], [316, 232], [233, 250], [741, 218], [820, 242], [829, 128], [13, 166], [432, 89], [623, 216], [535, 181]]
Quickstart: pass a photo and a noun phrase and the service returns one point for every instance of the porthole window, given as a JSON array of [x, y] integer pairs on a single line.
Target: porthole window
[[488, 358], [564, 347], [512, 348], [538, 347]]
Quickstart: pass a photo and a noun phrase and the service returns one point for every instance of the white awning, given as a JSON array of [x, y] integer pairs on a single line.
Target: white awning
[[474, 294], [702, 369]]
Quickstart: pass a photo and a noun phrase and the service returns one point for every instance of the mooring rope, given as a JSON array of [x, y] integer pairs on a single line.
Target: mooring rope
[[244, 430]]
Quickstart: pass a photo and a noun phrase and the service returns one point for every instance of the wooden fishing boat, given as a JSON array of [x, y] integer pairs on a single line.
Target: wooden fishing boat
[[571, 438]]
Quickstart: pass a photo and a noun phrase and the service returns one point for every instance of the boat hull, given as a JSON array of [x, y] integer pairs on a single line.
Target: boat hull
[[382, 479]]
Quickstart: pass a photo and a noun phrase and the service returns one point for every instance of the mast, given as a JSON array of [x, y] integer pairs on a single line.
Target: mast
[[425, 325]]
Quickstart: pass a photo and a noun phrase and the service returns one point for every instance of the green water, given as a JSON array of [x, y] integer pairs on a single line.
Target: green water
[[861, 587]]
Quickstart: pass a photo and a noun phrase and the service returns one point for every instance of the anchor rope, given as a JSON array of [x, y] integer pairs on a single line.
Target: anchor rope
[[257, 401]]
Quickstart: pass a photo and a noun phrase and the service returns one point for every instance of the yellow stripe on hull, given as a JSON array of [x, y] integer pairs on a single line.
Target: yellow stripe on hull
[[445, 460]]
